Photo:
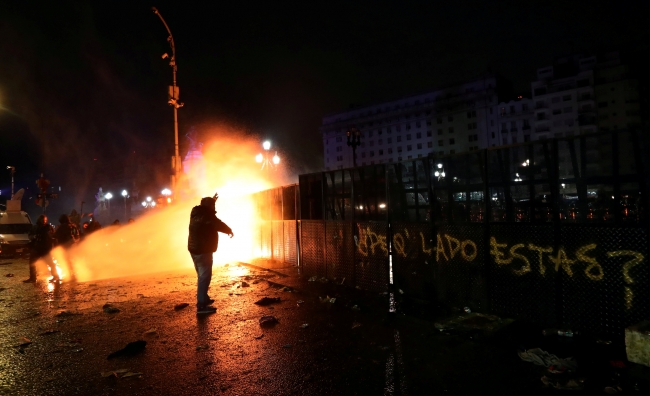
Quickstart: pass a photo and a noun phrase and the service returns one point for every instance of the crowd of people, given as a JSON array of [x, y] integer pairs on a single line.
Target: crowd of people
[[44, 236]]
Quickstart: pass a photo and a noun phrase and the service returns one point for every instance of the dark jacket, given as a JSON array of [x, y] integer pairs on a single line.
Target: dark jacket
[[66, 234], [204, 230], [40, 238]]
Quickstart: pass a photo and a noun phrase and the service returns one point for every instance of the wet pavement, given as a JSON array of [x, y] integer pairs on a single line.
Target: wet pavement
[[56, 340]]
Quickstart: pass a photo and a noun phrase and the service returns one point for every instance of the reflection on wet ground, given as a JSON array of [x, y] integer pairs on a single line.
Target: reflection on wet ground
[[56, 338]]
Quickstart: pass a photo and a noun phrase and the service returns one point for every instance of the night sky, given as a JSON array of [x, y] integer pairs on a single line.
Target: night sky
[[84, 84]]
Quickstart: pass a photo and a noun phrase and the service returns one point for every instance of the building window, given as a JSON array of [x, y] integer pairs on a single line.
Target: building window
[[409, 147], [439, 120], [566, 98], [429, 133], [471, 114], [452, 141], [408, 137], [441, 143], [381, 141], [409, 157], [339, 148], [440, 132], [417, 124], [429, 144], [372, 153], [512, 109], [339, 138], [408, 126], [503, 111], [524, 106], [399, 149], [363, 155], [450, 118], [372, 143], [390, 140], [418, 135], [399, 138], [452, 151], [369, 133], [555, 99], [381, 152], [419, 145], [451, 129], [526, 138]]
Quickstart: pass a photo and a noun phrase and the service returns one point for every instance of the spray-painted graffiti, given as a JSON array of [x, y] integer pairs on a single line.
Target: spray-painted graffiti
[[522, 258]]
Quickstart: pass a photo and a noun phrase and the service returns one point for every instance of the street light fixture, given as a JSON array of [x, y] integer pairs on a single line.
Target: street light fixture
[[166, 193], [125, 194], [173, 100], [440, 173], [354, 140], [264, 158]]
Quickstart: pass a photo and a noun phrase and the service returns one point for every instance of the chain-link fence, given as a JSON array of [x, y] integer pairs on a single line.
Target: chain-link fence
[[552, 231]]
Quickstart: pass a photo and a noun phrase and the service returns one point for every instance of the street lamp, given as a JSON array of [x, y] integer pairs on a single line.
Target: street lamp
[[354, 140], [264, 158], [148, 203], [173, 100], [166, 193], [125, 194], [108, 197], [440, 172]]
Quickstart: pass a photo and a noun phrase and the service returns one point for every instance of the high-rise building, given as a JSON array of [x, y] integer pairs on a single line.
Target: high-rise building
[[458, 118]]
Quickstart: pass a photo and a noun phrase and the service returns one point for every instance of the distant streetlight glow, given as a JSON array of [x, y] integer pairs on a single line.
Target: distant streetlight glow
[[263, 158]]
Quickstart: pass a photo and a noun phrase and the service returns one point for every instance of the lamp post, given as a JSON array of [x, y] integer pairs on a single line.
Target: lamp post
[[125, 194], [440, 172], [354, 140], [12, 170], [173, 100], [108, 199], [148, 203], [166, 193], [264, 158]]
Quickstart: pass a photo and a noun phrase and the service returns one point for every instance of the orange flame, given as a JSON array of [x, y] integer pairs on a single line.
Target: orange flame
[[157, 241]]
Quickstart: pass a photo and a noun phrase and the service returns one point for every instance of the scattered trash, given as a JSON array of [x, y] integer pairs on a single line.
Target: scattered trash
[[313, 279], [9, 275], [572, 384], [150, 332], [130, 349], [131, 375], [355, 325], [327, 299], [610, 390], [356, 308], [77, 350], [114, 373], [304, 325], [180, 306], [543, 358], [603, 342], [244, 284], [467, 310], [560, 332], [259, 336], [343, 281], [286, 289], [48, 332], [200, 347], [95, 284], [400, 291], [256, 281], [300, 302], [66, 313], [268, 321], [267, 301], [140, 296], [108, 308], [287, 346]]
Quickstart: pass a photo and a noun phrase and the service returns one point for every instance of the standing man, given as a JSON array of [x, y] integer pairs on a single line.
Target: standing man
[[202, 242], [40, 245]]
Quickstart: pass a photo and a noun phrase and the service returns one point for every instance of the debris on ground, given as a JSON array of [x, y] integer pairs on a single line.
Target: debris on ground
[[180, 306], [299, 302], [572, 384], [150, 332], [48, 332], [355, 325], [131, 375], [327, 299], [287, 346], [267, 301], [66, 313], [259, 336], [108, 308], [543, 358], [268, 321], [304, 325], [356, 308], [286, 289], [9, 275], [204, 346], [130, 349], [244, 284], [472, 321], [114, 373]]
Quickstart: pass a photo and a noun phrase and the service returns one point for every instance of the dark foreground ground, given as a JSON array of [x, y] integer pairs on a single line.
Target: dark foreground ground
[[55, 341]]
